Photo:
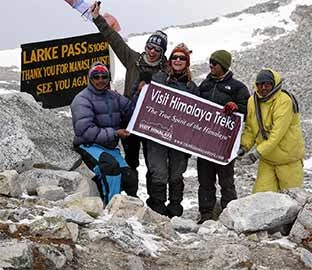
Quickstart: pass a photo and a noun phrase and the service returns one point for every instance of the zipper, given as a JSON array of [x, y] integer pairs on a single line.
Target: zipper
[[213, 92]]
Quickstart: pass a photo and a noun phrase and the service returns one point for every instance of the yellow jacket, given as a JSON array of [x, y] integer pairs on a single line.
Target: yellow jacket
[[285, 142]]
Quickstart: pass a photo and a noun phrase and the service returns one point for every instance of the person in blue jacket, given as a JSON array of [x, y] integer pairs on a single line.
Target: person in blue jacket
[[97, 115]]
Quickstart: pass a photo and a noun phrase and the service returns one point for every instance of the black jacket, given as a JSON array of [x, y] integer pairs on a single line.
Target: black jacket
[[225, 90], [181, 83]]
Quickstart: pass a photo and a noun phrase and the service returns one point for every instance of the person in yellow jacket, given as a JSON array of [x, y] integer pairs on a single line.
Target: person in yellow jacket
[[273, 135]]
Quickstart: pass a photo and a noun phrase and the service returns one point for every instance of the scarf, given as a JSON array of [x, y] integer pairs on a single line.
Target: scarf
[[219, 78], [151, 64], [257, 100]]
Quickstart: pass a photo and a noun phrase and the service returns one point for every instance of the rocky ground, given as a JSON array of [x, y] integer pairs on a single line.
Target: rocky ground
[[192, 252], [290, 55], [112, 244]]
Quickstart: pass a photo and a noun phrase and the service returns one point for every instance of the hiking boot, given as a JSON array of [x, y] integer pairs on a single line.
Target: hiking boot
[[157, 205], [174, 209], [203, 217]]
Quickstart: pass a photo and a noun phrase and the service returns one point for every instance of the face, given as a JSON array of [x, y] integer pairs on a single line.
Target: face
[[264, 88], [153, 52], [100, 81], [215, 68], [178, 61]]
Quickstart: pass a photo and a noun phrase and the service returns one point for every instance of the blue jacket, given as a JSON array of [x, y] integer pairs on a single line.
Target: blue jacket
[[96, 115]]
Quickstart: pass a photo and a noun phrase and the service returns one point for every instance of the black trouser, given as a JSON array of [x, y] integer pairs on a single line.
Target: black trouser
[[132, 145], [166, 166], [207, 172]]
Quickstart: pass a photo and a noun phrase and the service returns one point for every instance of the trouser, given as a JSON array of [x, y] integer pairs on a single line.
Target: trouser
[[132, 145], [207, 172], [278, 177], [112, 173], [166, 166]]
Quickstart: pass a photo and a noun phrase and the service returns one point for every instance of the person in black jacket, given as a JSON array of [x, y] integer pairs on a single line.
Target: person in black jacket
[[167, 165], [219, 87]]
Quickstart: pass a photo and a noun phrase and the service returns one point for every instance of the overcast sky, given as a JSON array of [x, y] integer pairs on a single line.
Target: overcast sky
[[25, 21]]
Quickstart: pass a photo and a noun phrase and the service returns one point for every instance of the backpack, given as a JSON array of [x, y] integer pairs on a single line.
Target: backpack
[[294, 101], [108, 163]]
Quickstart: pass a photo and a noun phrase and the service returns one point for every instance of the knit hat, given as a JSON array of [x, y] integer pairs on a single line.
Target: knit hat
[[223, 57], [158, 38], [183, 49], [265, 75], [97, 68]]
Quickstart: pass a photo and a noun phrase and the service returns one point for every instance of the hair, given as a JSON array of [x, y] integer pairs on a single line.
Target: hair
[[186, 73], [183, 49]]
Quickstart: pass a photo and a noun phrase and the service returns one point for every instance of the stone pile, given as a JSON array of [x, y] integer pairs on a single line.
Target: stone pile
[[51, 216]]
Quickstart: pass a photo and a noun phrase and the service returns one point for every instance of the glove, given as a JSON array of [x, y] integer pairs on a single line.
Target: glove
[[229, 108], [251, 158], [241, 152], [145, 76]]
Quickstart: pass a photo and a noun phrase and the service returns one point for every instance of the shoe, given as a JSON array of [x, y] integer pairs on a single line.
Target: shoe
[[157, 205], [203, 217], [174, 209]]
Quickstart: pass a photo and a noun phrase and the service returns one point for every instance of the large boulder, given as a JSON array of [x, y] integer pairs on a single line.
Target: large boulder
[[16, 254], [34, 178], [33, 136], [301, 232], [259, 212]]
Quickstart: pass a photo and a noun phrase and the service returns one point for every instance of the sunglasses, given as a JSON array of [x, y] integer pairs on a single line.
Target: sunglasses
[[156, 48], [100, 76], [181, 57], [213, 62], [265, 84]]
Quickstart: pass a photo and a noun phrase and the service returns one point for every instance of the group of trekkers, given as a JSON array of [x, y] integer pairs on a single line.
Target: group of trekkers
[[272, 132]]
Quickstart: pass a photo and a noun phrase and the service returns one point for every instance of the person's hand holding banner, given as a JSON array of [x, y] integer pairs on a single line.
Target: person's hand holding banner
[[122, 133], [145, 77], [229, 108], [95, 10], [250, 158]]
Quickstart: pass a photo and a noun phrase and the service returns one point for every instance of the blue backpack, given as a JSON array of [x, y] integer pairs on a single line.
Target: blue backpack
[[107, 171]]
